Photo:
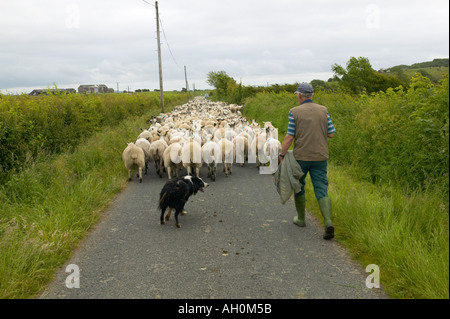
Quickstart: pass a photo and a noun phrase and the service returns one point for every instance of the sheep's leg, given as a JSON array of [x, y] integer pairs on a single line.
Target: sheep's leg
[[140, 174], [169, 172], [129, 174], [161, 165], [197, 171], [214, 170], [157, 167], [225, 169]]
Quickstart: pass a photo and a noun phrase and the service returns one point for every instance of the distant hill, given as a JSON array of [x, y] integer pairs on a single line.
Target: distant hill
[[434, 63], [434, 70]]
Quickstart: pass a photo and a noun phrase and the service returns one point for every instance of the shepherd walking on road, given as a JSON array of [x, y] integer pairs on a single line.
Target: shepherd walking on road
[[309, 128]]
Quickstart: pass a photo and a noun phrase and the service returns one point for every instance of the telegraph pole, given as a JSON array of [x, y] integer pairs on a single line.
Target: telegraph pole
[[161, 91], [187, 86]]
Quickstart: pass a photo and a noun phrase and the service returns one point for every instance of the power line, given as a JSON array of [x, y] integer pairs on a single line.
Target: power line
[[148, 3], [167, 42], [165, 37]]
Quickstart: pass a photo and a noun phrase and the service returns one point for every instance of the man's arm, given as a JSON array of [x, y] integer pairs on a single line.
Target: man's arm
[[331, 129], [289, 138], [286, 144]]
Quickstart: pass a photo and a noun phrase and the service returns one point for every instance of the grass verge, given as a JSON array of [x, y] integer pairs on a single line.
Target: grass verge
[[46, 209], [407, 236]]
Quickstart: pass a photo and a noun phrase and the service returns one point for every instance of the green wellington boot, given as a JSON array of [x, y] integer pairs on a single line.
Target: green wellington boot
[[325, 208], [300, 205]]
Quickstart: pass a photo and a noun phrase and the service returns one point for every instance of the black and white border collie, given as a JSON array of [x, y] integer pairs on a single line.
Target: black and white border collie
[[176, 193]]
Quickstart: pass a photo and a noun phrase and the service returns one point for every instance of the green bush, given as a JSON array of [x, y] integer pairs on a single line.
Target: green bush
[[31, 125], [399, 137]]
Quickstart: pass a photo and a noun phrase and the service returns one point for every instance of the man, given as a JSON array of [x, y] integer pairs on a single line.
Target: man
[[309, 128]]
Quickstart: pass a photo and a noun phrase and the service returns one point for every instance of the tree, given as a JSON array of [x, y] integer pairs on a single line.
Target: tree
[[319, 85], [359, 76], [220, 80]]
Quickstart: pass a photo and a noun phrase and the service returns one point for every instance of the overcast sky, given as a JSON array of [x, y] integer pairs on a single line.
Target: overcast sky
[[257, 42]]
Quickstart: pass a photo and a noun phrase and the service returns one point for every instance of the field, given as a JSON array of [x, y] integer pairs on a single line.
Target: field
[[434, 73], [435, 70]]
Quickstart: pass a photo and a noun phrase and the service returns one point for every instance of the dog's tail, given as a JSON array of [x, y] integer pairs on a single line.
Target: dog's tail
[[163, 197]]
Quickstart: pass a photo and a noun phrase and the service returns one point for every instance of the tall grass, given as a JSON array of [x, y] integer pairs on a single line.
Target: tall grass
[[48, 207], [405, 235], [388, 178]]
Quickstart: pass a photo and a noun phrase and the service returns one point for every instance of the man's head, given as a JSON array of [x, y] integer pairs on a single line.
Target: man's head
[[304, 91]]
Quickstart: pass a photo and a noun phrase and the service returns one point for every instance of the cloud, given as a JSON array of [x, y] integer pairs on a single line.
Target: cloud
[[80, 41]]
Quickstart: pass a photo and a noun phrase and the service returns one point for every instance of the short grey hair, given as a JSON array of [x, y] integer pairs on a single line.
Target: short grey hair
[[307, 95]]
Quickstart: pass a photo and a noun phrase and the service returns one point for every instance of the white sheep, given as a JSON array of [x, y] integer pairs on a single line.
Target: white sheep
[[268, 125], [134, 158], [205, 121], [157, 149], [230, 134], [146, 134], [146, 147], [219, 133], [254, 124], [211, 155], [228, 153], [257, 147], [191, 157], [172, 159], [240, 143], [272, 148]]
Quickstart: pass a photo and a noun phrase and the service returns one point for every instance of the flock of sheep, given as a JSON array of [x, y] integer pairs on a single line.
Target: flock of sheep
[[201, 132]]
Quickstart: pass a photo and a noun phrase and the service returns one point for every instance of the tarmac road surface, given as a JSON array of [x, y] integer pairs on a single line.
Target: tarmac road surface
[[237, 241]]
